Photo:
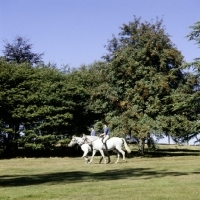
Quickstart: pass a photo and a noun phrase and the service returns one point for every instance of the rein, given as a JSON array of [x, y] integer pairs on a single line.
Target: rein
[[89, 142]]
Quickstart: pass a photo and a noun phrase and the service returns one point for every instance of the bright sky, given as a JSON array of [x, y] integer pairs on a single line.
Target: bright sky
[[74, 32]]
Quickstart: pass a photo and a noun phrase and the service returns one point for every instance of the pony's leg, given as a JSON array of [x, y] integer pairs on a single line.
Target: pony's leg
[[118, 155], [85, 156], [93, 154], [102, 154], [100, 160], [123, 154], [86, 159], [107, 154]]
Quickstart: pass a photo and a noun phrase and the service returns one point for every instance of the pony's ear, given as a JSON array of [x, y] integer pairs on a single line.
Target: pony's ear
[[83, 135]]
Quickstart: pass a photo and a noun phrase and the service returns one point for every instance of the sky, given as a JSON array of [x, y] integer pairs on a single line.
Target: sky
[[75, 32]]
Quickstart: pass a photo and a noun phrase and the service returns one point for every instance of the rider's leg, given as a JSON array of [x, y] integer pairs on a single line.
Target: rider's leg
[[105, 139]]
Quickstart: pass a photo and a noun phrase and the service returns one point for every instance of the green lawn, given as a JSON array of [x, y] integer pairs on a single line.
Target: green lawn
[[160, 178]]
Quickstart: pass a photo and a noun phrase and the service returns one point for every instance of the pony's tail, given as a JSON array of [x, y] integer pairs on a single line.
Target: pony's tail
[[126, 146]]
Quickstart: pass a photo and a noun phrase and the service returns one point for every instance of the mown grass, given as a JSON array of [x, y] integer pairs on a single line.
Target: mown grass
[[141, 178]]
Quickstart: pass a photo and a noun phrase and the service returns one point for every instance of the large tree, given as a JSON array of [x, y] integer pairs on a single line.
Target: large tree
[[20, 50], [142, 74]]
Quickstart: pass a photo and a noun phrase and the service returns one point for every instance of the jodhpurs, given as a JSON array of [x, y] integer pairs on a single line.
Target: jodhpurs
[[106, 138]]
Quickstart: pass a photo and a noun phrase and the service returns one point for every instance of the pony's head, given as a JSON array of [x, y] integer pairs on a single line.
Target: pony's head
[[75, 140]]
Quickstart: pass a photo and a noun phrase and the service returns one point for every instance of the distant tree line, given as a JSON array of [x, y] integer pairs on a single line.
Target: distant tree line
[[142, 88]]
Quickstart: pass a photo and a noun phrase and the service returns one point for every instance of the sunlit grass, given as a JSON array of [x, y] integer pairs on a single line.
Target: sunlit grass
[[140, 178]]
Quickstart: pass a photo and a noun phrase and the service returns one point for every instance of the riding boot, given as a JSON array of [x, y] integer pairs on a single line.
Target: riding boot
[[105, 146]]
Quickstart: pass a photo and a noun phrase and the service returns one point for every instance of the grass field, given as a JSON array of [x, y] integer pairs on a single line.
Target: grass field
[[141, 178]]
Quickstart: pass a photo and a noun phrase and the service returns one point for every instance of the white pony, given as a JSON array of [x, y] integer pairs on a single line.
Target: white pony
[[115, 144], [86, 148]]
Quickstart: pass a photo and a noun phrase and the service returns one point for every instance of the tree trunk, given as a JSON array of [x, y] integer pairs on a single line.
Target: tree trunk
[[168, 138], [148, 141], [141, 146]]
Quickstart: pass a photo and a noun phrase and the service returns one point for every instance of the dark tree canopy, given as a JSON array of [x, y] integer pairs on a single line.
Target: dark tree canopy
[[20, 51], [47, 103]]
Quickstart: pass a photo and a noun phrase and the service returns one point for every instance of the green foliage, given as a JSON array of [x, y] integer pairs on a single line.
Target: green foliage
[[35, 142], [45, 101], [187, 98], [195, 33], [64, 142], [144, 84]]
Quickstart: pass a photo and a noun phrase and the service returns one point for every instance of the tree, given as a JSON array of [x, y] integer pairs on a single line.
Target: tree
[[88, 77], [143, 72], [21, 51], [189, 104], [47, 102], [195, 33]]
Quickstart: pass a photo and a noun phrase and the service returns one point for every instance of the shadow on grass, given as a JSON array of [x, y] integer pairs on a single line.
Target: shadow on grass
[[173, 151], [83, 176], [165, 154]]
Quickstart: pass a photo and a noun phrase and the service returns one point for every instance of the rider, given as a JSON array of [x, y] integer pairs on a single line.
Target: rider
[[93, 133], [106, 133]]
